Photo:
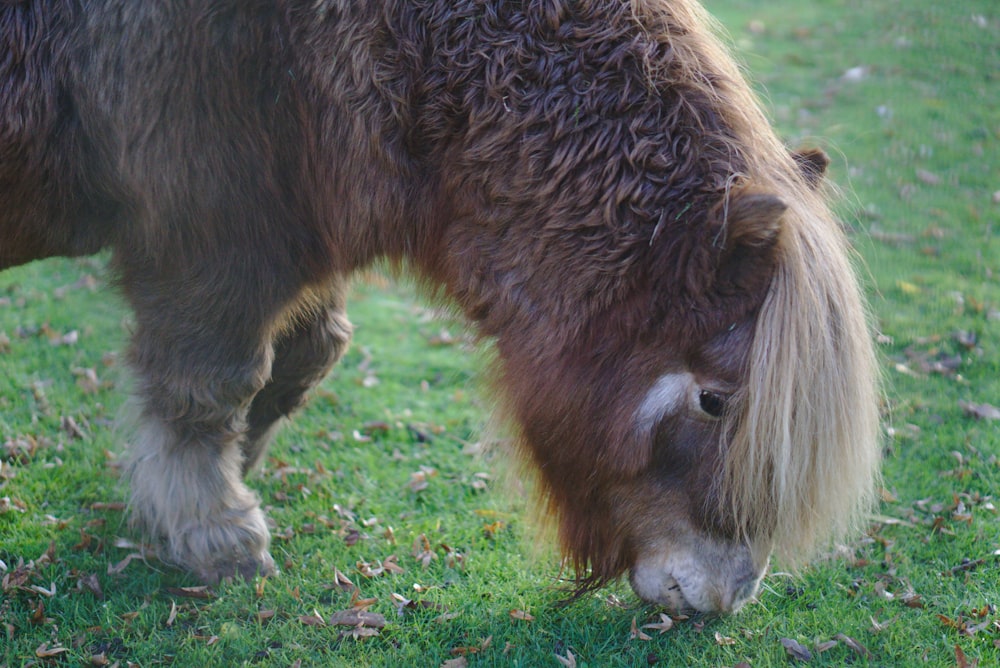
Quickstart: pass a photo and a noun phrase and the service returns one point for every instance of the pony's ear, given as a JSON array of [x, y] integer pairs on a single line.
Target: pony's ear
[[812, 163], [753, 221]]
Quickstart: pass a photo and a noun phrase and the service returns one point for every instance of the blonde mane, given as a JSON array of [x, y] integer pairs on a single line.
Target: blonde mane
[[808, 419]]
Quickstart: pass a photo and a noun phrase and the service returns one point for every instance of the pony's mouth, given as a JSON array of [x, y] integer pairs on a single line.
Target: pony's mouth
[[708, 581]]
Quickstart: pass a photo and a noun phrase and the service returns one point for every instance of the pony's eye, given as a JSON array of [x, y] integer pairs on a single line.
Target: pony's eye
[[712, 403]]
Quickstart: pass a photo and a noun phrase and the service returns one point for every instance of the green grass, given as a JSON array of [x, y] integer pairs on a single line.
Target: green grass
[[915, 140]]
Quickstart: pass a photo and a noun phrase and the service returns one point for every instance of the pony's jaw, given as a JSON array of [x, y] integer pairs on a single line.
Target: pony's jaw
[[704, 575]]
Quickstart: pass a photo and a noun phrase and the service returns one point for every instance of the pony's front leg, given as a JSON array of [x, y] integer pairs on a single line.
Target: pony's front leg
[[200, 356], [303, 355]]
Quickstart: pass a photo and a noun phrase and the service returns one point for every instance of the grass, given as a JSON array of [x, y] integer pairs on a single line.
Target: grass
[[914, 129]]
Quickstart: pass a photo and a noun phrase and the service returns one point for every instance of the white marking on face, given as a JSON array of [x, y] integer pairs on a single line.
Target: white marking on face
[[668, 395]]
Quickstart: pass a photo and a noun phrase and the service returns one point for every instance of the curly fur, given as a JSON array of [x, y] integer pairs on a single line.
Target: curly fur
[[592, 183]]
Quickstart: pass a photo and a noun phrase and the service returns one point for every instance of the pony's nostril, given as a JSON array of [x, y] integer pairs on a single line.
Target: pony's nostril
[[743, 590]]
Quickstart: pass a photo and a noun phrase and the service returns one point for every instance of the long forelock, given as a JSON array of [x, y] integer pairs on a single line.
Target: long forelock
[[803, 458], [801, 464]]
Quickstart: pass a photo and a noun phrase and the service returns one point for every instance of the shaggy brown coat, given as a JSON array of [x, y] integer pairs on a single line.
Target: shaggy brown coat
[[590, 182]]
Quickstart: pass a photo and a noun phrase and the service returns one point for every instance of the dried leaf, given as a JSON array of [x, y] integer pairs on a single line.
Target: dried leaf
[[961, 661], [422, 551], [173, 614], [101, 505], [7, 505], [44, 651], [796, 650], [928, 178], [357, 617], [472, 649], [980, 411], [38, 615], [419, 480], [857, 647], [361, 603], [636, 634], [523, 615], [664, 625], [50, 592], [569, 661], [457, 662], [390, 565], [314, 619], [202, 592], [359, 632], [722, 640], [115, 569], [878, 627], [90, 583]]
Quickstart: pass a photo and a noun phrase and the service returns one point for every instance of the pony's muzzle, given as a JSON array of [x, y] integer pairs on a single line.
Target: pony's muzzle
[[718, 578]]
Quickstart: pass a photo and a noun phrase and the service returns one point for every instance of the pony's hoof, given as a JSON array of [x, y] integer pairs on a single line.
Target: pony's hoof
[[218, 552], [244, 568]]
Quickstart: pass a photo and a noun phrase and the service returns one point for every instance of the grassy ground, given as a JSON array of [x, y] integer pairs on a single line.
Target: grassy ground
[[378, 480]]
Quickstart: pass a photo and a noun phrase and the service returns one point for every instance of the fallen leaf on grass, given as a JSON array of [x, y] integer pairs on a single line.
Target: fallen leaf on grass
[[202, 592], [419, 480], [491, 530], [980, 411], [796, 650], [8, 504], [878, 627], [44, 651], [357, 617], [361, 603], [523, 615], [636, 634], [857, 647], [173, 614], [422, 551], [961, 661], [340, 581], [50, 592], [664, 625], [314, 619], [472, 649], [965, 627], [447, 617], [911, 599], [358, 632], [90, 583], [722, 640], [825, 646], [101, 505], [569, 661], [38, 615], [403, 604], [966, 565], [115, 569], [457, 662], [928, 178]]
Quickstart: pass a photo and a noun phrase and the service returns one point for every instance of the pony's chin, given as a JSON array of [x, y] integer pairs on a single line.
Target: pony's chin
[[719, 578]]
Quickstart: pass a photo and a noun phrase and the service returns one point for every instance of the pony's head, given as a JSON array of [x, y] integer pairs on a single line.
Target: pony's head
[[689, 433], [682, 341]]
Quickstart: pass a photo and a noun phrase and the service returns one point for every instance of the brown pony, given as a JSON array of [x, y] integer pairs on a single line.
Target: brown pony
[[681, 341]]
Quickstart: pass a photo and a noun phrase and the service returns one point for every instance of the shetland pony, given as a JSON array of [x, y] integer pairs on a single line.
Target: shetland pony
[[681, 342]]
